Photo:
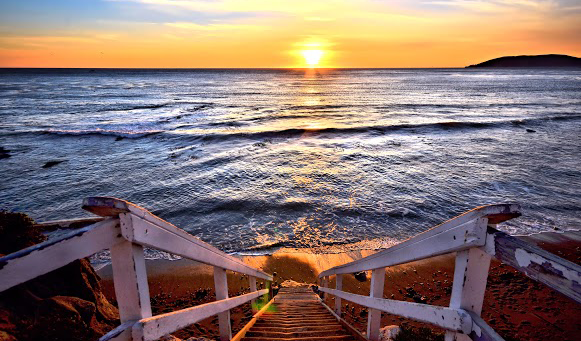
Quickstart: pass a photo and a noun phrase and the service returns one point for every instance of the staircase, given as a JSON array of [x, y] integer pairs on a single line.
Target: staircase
[[297, 314]]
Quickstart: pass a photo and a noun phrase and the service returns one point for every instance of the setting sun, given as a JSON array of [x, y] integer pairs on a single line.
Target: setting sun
[[312, 57]]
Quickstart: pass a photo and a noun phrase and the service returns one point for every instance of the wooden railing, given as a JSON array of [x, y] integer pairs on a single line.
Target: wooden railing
[[126, 229], [475, 240]]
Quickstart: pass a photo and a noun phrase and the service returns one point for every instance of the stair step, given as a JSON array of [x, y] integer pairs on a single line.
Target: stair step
[[296, 329], [309, 338], [298, 316], [320, 332]]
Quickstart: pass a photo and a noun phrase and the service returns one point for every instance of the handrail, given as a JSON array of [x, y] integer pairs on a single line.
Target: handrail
[[108, 206], [473, 236], [455, 234], [125, 229]]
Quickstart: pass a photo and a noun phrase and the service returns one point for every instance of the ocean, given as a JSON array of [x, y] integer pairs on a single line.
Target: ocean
[[254, 160]]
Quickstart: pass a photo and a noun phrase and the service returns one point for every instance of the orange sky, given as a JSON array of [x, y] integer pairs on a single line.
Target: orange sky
[[272, 33]]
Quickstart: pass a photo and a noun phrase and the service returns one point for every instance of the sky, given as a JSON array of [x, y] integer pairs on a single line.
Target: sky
[[276, 33]]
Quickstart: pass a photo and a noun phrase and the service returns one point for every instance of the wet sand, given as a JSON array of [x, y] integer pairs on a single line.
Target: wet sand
[[517, 307]]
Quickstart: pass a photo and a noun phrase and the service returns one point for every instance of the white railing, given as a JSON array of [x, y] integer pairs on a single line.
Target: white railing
[[126, 229], [475, 240]]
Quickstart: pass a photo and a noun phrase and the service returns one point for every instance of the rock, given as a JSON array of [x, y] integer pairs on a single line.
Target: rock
[[52, 163], [17, 231], [170, 338], [4, 154], [361, 276], [65, 304], [388, 333], [531, 131], [363, 313]]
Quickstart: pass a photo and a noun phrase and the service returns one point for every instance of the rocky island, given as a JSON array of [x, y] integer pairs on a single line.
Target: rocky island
[[545, 61]]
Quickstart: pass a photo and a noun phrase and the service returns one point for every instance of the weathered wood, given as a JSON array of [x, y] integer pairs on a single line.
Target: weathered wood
[[482, 331], [470, 275], [67, 223], [538, 264], [338, 286], [325, 284], [157, 326], [453, 235], [374, 316], [427, 244], [251, 323], [152, 235], [221, 287], [252, 282], [270, 295], [130, 277], [29, 263], [447, 318], [356, 333], [121, 333]]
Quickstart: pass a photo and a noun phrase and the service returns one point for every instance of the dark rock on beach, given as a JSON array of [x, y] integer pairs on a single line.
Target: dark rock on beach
[[65, 304], [360, 276], [4, 153], [52, 163]]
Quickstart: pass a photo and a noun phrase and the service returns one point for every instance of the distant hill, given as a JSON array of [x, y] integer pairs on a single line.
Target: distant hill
[[545, 60]]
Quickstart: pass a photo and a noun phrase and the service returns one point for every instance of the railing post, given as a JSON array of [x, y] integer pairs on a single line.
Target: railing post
[[470, 275], [252, 281], [130, 277], [325, 284], [221, 287], [374, 316], [268, 286], [338, 286]]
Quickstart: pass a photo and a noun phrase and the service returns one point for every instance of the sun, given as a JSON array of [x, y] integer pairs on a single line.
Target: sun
[[312, 57]]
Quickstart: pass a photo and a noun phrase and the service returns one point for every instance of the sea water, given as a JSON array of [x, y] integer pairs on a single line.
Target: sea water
[[254, 160]]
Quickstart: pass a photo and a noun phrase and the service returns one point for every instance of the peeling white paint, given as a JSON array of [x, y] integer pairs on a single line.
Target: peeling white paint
[[489, 247], [524, 259]]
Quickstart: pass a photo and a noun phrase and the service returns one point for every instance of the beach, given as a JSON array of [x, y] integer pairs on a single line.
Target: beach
[[514, 305]]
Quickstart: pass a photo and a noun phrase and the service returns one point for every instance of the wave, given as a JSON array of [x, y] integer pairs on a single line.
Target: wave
[[383, 129], [235, 133], [102, 132]]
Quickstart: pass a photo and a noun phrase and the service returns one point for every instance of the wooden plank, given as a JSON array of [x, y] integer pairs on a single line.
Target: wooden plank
[[350, 329], [107, 206], [67, 223], [470, 275], [538, 264], [434, 246], [252, 282], [157, 326], [482, 331], [130, 277], [374, 316], [251, 323], [221, 287], [29, 263], [325, 284], [338, 286], [424, 245], [120, 333], [447, 318], [149, 234]]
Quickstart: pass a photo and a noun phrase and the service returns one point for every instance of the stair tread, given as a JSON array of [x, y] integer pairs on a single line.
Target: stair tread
[[298, 316]]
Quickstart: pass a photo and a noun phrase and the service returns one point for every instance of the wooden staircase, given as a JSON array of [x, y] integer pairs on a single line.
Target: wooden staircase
[[297, 314]]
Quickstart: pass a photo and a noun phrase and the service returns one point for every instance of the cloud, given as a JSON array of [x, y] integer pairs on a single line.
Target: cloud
[[213, 27]]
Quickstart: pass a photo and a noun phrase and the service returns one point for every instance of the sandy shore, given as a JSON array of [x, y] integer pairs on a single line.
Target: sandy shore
[[517, 307]]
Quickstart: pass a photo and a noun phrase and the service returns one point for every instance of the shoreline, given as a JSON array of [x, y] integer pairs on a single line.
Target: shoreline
[[517, 307]]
